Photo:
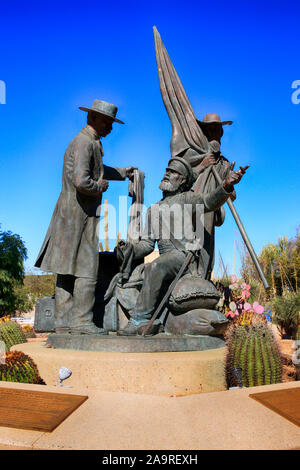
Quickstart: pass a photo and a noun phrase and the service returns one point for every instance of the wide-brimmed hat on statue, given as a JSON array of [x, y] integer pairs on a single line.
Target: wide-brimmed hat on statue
[[182, 167], [213, 118], [104, 108]]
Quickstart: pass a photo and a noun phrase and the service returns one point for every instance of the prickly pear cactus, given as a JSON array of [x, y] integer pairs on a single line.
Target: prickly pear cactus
[[250, 319], [254, 349], [19, 367]]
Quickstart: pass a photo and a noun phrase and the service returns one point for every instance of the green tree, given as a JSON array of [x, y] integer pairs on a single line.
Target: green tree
[[40, 285], [13, 253]]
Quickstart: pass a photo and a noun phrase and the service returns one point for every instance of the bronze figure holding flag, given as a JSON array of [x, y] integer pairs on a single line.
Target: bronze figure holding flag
[[199, 143]]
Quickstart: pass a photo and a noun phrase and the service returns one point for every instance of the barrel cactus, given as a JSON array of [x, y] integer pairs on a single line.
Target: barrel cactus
[[253, 349], [11, 333], [18, 367]]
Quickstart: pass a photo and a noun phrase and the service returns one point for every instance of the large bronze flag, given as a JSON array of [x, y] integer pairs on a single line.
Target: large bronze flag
[[186, 133]]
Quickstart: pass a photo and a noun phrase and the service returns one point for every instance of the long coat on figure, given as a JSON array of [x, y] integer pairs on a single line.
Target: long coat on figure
[[71, 245]]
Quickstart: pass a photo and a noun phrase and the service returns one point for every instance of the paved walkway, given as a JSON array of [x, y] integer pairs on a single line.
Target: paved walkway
[[119, 420]]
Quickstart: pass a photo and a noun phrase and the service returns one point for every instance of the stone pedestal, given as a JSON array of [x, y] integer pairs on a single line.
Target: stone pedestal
[[159, 373], [134, 344]]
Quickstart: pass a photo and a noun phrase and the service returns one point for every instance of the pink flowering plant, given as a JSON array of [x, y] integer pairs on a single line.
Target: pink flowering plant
[[237, 304]]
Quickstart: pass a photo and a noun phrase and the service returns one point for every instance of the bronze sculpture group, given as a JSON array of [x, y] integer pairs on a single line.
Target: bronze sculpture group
[[174, 293]]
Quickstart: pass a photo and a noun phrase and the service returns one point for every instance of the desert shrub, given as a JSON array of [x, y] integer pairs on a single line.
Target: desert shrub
[[286, 309], [28, 331]]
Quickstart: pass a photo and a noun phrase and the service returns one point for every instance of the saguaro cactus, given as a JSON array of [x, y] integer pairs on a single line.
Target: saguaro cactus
[[19, 367], [254, 349]]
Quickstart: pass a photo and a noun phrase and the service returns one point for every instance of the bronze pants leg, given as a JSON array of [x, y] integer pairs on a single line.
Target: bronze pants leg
[[83, 302], [74, 301], [162, 269], [63, 300]]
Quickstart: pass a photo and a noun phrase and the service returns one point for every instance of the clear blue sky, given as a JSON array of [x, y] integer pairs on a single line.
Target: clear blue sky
[[238, 59]]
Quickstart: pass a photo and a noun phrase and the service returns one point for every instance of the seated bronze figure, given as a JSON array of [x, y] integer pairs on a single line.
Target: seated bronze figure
[[190, 308]]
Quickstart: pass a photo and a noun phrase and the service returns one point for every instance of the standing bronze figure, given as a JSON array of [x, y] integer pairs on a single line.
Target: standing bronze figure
[[71, 245]]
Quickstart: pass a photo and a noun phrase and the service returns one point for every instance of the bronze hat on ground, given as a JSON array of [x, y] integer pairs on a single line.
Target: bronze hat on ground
[[213, 118], [104, 108]]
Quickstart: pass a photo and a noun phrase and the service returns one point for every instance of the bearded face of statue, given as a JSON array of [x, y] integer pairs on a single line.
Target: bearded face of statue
[[172, 181]]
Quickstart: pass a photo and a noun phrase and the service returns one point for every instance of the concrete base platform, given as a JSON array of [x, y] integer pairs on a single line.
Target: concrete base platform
[[129, 344], [161, 373], [124, 421]]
